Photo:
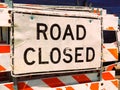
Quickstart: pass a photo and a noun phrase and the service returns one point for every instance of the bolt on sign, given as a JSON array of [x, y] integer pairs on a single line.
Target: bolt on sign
[[55, 43]]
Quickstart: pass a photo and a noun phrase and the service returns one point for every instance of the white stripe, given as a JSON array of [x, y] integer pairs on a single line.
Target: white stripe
[[2, 87], [93, 76], [37, 82], [5, 61], [67, 80]]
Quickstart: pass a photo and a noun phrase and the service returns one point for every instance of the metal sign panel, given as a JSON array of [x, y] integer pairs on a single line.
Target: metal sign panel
[[48, 43]]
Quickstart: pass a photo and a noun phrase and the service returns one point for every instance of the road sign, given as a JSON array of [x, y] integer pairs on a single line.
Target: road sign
[[54, 43]]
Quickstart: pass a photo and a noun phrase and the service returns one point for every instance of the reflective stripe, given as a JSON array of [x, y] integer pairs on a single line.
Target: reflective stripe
[[115, 83], [53, 82], [5, 62], [9, 86], [108, 76], [110, 28], [114, 52], [5, 49], [100, 85], [94, 86], [3, 5], [110, 67], [2, 68], [81, 78], [69, 88], [58, 89], [110, 52]]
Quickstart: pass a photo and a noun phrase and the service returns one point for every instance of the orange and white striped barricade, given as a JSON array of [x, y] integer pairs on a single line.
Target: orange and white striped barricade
[[108, 75], [5, 58], [5, 23], [110, 52], [72, 82], [100, 85], [110, 49], [108, 83]]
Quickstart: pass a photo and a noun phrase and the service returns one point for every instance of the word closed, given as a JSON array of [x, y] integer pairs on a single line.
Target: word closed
[[54, 32]]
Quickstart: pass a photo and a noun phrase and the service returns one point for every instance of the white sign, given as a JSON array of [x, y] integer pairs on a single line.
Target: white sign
[[51, 43]]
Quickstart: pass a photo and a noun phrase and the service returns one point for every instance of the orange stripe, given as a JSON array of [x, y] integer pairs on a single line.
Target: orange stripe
[[10, 86], [107, 76], [110, 28], [69, 88], [3, 6], [2, 68], [58, 89], [94, 86], [24, 86], [116, 83], [53, 82], [81, 78], [114, 52], [110, 67], [5, 49], [97, 11]]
